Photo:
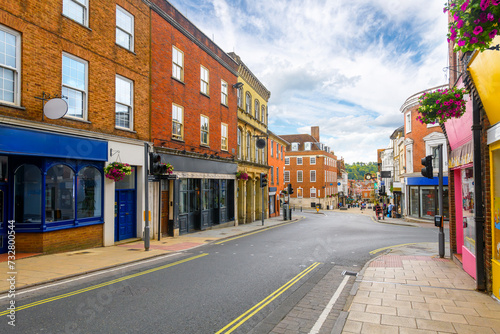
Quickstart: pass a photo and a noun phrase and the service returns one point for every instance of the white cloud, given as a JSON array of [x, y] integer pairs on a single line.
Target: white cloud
[[344, 65]]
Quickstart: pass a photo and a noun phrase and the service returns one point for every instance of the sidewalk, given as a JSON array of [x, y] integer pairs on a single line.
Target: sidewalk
[[40, 269], [411, 290]]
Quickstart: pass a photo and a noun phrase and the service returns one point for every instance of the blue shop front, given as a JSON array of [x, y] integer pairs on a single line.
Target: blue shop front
[[51, 190], [422, 197]]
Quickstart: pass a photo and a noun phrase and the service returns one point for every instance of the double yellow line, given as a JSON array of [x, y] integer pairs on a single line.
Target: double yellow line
[[229, 328], [90, 288]]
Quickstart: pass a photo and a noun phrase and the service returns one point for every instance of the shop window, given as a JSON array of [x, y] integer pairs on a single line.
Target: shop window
[[223, 194], [28, 194], [89, 193], [183, 201], [59, 194], [468, 209], [414, 207], [495, 154], [427, 202]]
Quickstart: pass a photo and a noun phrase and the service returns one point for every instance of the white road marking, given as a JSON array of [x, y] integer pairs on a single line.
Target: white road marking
[[328, 308]]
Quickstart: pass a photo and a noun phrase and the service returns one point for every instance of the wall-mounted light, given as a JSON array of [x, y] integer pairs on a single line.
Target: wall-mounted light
[[238, 85]]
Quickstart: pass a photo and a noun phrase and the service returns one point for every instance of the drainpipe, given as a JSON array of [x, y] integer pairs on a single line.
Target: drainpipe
[[478, 194]]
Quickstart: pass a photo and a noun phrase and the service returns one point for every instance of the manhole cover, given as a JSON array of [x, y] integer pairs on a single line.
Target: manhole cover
[[350, 273]]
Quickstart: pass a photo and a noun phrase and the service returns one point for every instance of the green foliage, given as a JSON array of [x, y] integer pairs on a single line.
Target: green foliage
[[358, 170]]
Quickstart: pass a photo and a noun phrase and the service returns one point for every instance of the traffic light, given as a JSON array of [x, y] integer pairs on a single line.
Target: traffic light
[[290, 189], [427, 170], [263, 180], [155, 165], [381, 191]]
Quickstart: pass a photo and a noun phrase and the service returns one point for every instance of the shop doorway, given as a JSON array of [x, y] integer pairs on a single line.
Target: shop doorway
[[164, 213], [3, 219]]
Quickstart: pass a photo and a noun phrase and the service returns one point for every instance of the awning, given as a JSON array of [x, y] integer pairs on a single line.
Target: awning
[[484, 68], [462, 155]]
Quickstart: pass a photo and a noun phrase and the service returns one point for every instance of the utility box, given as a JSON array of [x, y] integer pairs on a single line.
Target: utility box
[[438, 221]]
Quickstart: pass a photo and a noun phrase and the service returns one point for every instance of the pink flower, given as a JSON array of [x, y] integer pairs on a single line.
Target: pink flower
[[461, 42], [460, 24], [493, 33], [477, 30], [473, 40], [490, 17], [464, 6], [484, 4]]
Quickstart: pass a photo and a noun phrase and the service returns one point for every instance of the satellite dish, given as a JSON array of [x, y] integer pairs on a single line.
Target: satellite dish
[[261, 143], [55, 108]]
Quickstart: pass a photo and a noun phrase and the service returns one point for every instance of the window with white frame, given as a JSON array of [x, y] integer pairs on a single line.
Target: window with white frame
[[263, 115], [248, 144], [263, 155], [10, 65], [74, 85], [287, 176], [223, 92], [204, 130], [257, 108], [299, 176], [239, 97], [177, 64], [313, 176], [307, 146], [295, 146], [223, 134], [299, 193], [312, 192], [204, 80], [77, 10], [312, 160], [248, 103], [299, 161], [124, 28], [256, 150], [409, 160], [239, 139], [287, 161], [408, 122], [177, 122], [124, 103]]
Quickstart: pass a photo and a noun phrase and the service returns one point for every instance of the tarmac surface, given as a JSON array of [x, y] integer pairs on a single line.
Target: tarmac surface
[[405, 289]]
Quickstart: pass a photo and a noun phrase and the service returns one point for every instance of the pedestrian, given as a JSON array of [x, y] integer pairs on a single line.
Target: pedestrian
[[378, 210], [391, 208]]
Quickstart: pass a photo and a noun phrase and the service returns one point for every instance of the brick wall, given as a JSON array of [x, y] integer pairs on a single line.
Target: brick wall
[[61, 240], [166, 90], [46, 34], [485, 165]]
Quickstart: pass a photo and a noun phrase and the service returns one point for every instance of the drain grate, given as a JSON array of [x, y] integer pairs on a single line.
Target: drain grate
[[350, 273]]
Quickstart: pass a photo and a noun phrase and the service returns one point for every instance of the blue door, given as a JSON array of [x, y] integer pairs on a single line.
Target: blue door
[[3, 219], [125, 215]]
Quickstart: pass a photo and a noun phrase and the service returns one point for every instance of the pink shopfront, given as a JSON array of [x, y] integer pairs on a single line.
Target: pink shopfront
[[460, 163]]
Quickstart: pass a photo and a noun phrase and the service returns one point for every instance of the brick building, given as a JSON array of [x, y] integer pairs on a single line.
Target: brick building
[[421, 140], [276, 175], [193, 111], [252, 101], [311, 168], [52, 182]]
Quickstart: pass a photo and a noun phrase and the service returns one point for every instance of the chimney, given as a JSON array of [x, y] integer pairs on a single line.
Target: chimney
[[315, 132]]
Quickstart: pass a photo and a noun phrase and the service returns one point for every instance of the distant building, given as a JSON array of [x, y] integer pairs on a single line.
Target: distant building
[[311, 168], [276, 175]]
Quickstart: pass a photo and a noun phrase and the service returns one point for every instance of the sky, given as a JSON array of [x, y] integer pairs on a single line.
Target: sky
[[346, 66]]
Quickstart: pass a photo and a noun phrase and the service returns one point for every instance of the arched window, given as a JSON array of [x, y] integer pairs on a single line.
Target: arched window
[[257, 108], [89, 193], [263, 114], [28, 194], [60, 193], [248, 103]]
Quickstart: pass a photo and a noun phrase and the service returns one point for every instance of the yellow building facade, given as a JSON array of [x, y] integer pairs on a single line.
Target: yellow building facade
[[253, 100]]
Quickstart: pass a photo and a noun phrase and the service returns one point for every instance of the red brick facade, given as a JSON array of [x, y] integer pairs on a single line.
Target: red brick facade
[[276, 159], [186, 93]]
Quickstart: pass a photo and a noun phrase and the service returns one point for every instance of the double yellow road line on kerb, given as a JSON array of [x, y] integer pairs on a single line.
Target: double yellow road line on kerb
[[229, 328], [93, 287]]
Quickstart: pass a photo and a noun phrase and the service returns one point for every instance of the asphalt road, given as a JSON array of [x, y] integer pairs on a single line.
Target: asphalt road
[[207, 289]]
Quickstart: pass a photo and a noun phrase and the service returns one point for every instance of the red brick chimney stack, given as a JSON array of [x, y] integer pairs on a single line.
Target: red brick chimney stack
[[315, 132]]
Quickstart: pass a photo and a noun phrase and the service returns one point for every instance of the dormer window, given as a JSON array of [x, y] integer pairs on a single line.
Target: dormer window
[[307, 146], [295, 146]]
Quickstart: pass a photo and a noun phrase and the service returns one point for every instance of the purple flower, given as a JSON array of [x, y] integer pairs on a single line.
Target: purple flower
[[460, 24], [484, 4], [464, 6], [482, 17], [477, 21], [456, 16], [461, 42], [495, 2], [466, 34], [490, 17], [473, 40], [493, 33], [477, 30]]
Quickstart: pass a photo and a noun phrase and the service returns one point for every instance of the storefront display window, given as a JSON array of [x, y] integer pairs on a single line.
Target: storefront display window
[[468, 209], [28, 194], [59, 194], [414, 201], [89, 193], [183, 202], [496, 205], [3, 169]]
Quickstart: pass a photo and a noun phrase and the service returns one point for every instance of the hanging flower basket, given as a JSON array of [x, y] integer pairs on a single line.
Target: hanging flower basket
[[242, 176], [475, 23], [440, 105], [167, 169], [116, 171]]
